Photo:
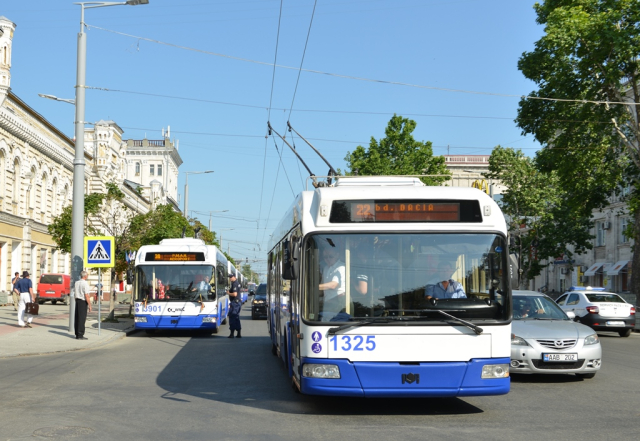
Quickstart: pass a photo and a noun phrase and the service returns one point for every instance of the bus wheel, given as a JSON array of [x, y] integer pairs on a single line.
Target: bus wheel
[[215, 330], [274, 349], [150, 331], [224, 322]]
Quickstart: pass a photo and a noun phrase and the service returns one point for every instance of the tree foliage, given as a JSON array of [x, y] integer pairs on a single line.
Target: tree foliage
[[590, 52], [537, 220], [398, 153]]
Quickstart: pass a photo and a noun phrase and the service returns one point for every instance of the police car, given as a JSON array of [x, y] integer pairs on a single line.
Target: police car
[[600, 310]]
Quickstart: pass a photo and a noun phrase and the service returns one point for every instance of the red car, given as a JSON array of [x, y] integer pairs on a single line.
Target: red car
[[54, 287]]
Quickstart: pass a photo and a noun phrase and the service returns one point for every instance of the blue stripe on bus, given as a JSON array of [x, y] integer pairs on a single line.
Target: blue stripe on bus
[[383, 379], [184, 322]]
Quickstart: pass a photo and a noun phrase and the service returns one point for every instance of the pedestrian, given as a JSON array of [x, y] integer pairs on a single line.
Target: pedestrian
[[14, 294], [235, 306], [83, 302], [24, 288]]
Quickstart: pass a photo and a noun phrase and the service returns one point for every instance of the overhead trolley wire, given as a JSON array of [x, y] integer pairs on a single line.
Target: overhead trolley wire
[[370, 80]]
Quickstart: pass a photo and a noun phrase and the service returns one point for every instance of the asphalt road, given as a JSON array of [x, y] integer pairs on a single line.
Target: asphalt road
[[190, 387]]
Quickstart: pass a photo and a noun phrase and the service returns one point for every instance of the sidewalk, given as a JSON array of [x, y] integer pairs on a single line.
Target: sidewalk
[[50, 331]]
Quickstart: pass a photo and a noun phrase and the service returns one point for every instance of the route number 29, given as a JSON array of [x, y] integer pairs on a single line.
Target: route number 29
[[356, 343]]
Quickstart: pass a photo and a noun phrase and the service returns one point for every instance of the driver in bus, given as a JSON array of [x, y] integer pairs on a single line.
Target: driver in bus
[[447, 288], [332, 282]]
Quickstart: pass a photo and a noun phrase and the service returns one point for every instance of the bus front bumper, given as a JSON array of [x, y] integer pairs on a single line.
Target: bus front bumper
[[180, 322], [384, 379]]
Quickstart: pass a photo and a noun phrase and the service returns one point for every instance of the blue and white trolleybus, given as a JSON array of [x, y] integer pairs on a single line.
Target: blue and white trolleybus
[[180, 284], [385, 287]]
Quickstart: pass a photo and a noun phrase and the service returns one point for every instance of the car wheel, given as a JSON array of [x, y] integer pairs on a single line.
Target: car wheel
[[625, 333], [53, 302], [41, 302], [586, 376]]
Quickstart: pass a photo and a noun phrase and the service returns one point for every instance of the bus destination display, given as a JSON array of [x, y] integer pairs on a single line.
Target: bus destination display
[[405, 211], [174, 257]]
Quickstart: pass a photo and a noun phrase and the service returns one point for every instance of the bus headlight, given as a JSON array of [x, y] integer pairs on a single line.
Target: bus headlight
[[321, 371], [140, 319], [495, 371], [207, 319]]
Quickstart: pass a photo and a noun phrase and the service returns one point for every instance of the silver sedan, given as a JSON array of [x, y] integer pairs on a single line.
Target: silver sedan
[[545, 340]]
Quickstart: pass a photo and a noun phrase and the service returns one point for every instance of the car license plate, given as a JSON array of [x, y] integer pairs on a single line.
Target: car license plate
[[51, 292], [615, 323], [559, 357]]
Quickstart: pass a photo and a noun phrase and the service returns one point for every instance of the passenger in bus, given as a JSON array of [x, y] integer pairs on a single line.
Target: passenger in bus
[[447, 288], [332, 281]]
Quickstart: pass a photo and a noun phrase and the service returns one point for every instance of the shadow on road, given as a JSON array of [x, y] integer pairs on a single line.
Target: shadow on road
[[243, 372]]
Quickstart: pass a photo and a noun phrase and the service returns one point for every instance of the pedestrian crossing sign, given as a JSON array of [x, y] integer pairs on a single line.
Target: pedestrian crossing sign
[[99, 252]]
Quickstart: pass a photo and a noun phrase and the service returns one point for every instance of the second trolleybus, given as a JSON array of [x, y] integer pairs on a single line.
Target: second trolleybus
[[180, 284]]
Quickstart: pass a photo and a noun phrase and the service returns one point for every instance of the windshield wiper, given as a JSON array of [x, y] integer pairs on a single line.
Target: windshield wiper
[[477, 329], [332, 331]]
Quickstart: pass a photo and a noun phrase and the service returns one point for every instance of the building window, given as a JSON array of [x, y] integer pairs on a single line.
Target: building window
[[624, 222], [137, 169], [600, 234], [159, 169], [151, 170]]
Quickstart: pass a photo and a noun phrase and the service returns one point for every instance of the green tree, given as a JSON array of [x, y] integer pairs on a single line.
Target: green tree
[[590, 52], [398, 153], [537, 220]]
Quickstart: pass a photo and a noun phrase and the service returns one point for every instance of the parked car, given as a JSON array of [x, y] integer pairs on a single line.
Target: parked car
[[600, 310], [259, 303], [546, 340], [53, 287]]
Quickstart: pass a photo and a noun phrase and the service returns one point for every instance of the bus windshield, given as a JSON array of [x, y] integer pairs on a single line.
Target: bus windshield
[[164, 283], [409, 276]]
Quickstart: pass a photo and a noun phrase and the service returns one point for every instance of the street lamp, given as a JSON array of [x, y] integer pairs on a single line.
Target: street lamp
[[55, 98], [77, 216], [186, 189]]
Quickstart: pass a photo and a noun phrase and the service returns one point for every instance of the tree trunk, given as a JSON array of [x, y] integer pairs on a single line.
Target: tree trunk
[[635, 262], [112, 303]]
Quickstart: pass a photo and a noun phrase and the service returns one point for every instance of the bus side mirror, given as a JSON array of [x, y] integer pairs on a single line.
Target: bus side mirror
[[129, 277]]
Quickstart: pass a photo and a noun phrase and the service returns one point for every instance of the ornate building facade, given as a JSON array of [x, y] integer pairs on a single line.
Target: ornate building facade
[[36, 177]]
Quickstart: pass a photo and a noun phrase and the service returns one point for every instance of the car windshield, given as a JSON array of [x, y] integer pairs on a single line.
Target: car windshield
[[260, 297], [536, 307], [409, 276], [262, 289], [604, 298], [163, 283]]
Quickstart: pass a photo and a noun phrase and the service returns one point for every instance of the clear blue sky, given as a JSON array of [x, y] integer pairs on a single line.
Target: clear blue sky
[[218, 106]]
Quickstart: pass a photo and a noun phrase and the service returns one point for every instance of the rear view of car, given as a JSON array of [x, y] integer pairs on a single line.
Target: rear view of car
[[600, 310], [259, 303], [53, 287]]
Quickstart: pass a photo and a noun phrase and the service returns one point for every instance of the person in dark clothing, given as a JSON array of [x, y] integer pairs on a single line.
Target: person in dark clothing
[[235, 306]]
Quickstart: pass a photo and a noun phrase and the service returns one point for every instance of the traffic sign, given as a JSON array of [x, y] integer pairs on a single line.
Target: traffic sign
[[99, 252]]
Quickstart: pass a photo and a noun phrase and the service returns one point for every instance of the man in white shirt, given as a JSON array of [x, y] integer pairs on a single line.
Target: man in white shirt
[[83, 302]]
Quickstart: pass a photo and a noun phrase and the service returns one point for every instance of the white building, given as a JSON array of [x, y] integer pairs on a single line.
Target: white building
[[36, 177]]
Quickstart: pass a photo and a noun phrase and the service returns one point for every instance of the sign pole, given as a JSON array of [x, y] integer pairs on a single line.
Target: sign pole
[[99, 252], [99, 298]]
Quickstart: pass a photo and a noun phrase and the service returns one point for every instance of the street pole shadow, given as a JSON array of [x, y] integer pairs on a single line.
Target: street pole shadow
[[243, 372]]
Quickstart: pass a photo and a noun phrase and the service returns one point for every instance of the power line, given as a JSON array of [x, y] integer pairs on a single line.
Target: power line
[[370, 80], [347, 112]]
